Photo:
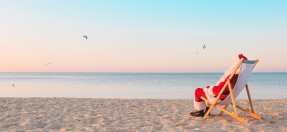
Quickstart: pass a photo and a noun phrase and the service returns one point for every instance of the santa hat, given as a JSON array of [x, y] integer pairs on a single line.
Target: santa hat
[[236, 60]]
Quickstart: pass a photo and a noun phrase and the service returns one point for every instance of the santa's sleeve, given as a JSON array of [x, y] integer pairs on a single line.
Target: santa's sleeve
[[214, 90]]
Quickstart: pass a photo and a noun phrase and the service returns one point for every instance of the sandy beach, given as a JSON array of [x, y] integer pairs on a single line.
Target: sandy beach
[[91, 114]]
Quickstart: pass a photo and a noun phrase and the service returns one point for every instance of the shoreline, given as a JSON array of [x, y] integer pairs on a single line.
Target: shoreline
[[99, 114]]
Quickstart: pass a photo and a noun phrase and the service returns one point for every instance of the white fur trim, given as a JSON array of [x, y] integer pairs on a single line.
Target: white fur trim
[[236, 59], [230, 70], [199, 105], [210, 90], [210, 97]]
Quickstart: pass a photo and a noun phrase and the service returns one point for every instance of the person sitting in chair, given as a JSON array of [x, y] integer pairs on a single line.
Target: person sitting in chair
[[212, 91]]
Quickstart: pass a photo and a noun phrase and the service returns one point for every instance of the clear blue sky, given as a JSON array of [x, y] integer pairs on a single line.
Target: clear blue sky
[[141, 36]]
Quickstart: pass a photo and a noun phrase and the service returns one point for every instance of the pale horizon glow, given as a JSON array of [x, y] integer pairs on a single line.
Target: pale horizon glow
[[141, 36]]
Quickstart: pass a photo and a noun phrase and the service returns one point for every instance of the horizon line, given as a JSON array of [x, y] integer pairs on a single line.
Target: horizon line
[[133, 72]]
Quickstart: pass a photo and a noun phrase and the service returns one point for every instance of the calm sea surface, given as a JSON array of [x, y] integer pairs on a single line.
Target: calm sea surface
[[131, 85]]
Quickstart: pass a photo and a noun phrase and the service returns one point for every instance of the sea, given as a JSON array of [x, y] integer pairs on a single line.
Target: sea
[[131, 85]]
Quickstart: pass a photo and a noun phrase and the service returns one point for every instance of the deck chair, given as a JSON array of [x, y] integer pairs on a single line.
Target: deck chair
[[246, 67]]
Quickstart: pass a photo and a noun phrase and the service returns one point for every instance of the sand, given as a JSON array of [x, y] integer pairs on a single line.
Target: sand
[[89, 114]]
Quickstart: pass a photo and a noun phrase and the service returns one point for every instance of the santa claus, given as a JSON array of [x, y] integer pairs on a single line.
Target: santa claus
[[212, 91]]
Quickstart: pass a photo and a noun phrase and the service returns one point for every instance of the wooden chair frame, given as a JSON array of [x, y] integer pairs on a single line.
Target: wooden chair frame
[[233, 114]]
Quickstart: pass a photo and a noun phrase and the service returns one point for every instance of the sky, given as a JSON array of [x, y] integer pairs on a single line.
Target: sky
[[143, 36]]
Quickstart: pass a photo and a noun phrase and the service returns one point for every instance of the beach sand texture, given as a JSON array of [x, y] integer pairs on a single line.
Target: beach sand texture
[[91, 114]]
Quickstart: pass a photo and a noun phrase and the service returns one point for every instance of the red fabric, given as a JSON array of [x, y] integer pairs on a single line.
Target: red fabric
[[216, 89], [198, 93]]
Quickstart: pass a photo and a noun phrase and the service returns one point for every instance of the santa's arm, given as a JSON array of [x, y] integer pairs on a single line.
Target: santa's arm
[[217, 89], [214, 90]]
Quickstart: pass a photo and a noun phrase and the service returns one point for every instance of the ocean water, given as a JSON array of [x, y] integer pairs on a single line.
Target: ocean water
[[131, 85]]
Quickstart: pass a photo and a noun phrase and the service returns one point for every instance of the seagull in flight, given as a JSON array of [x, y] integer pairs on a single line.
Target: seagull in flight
[[48, 64], [204, 47], [85, 37]]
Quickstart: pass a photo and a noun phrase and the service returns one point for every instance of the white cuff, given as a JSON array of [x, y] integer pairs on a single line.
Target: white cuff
[[210, 90], [199, 105]]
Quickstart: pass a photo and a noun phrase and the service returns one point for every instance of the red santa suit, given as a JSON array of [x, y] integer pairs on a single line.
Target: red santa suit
[[212, 91]]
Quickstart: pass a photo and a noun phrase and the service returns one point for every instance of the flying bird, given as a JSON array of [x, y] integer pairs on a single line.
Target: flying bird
[[48, 64], [204, 47], [85, 37]]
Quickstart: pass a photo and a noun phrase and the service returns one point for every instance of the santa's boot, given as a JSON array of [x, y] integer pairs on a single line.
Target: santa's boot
[[199, 106], [197, 113], [206, 109]]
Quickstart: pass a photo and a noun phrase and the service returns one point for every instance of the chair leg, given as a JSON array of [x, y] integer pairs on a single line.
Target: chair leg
[[210, 108], [223, 111], [249, 112], [232, 98], [249, 98], [227, 112], [233, 115], [207, 113]]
